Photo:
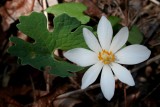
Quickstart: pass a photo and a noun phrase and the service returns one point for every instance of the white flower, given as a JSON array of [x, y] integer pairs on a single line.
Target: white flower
[[106, 55]]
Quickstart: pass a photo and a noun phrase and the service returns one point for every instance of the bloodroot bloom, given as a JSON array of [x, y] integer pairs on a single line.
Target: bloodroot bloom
[[106, 55]]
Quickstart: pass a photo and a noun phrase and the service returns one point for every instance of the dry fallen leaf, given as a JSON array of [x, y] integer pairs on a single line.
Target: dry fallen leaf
[[13, 9]]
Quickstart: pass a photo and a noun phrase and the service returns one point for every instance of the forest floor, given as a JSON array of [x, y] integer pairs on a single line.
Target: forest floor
[[25, 86]]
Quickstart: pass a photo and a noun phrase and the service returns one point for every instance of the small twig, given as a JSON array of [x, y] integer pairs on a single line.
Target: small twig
[[90, 97], [40, 3], [135, 18], [157, 44], [115, 1], [155, 2], [151, 92], [45, 13], [6, 77], [47, 78], [74, 82], [33, 88], [126, 11], [125, 96], [151, 31], [77, 91], [156, 58], [9, 14]]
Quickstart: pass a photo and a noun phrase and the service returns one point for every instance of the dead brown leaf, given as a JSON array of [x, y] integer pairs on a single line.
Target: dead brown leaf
[[13, 9]]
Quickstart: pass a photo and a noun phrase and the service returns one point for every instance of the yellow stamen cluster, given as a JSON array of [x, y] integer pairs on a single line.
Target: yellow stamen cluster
[[106, 57]]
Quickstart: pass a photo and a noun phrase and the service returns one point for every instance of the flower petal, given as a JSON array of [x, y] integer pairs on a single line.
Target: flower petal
[[133, 54], [119, 39], [81, 56], [91, 75], [107, 82], [122, 74], [91, 40], [104, 32]]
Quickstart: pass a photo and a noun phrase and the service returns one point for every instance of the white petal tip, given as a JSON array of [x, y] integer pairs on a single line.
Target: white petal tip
[[83, 87], [85, 29], [108, 97], [149, 53], [133, 54], [125, 30], [65, 54], [104, 19], [132, 84], [125, 27], [103, 16], [86, 32], [107, 82], [130, 81]]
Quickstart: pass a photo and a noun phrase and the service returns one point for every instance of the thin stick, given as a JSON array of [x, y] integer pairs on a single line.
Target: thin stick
[[125, 97], [156, 58], [155, 2], [157, 44], [77, 91], [151, 92], [126, 11], [44, 7], [33, 88], [115, 1]]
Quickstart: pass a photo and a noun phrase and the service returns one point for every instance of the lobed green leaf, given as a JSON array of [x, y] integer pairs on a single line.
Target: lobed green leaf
[[72, 9], [67, 34]]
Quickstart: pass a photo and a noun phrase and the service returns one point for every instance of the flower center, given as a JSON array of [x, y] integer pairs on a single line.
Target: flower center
[[106, 56]]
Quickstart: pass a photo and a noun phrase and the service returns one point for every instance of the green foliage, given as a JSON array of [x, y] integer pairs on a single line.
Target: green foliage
[[72, 9], [114, 20], [67, 34], [135, 36]]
